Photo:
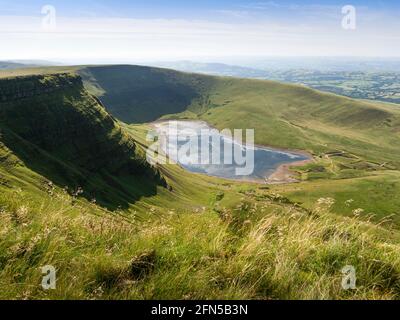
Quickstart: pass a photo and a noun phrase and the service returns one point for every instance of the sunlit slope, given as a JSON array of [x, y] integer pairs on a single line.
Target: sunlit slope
[[298, 117], [51, 126]]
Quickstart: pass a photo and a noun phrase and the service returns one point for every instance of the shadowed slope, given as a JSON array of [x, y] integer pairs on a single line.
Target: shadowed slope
[[140, 94], [61, 132]]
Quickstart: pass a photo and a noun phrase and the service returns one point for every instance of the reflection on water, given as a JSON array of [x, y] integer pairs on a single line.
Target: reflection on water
[[175, 141]]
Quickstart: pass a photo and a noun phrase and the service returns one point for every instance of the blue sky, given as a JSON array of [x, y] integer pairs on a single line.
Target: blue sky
[[184, 8], [122, 30]]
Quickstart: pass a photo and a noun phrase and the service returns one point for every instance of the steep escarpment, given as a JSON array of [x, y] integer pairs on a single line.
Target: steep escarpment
[[57, 129]]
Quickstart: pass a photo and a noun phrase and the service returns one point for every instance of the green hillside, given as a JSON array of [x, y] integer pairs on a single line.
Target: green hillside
[[124, 230], [348, 138], [205, 239], [51, 125]]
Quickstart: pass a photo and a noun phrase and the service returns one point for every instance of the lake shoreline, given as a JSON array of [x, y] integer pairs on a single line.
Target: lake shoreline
[[285, 174], [282, 175]]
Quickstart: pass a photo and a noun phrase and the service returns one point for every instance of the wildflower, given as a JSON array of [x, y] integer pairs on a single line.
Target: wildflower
[[329, 202], [324, 204], [349, 202], [358, 212]]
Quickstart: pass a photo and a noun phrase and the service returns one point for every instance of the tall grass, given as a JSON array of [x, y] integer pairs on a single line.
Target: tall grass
[[286, 254]]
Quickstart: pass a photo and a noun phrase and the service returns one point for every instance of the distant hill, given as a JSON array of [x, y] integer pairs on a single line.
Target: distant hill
[[217, 69], [36, 62], [21, 64], [359, 79], [5, 65]]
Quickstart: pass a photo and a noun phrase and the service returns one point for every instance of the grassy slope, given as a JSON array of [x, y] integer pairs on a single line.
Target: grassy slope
[[376, 195], [289, 116], [52, 126], [297, 117], [207, 238]]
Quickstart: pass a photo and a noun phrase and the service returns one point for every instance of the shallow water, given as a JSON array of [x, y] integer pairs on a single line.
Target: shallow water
[[261, 162]]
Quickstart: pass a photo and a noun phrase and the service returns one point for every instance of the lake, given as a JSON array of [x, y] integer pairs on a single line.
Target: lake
[[201, 149]]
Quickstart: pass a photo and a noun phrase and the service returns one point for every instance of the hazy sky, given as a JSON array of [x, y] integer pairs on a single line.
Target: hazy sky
[[126, 31]]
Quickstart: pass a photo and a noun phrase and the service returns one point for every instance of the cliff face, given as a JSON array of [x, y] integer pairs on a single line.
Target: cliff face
[[62, 132], [13, 89], [57, 115]]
